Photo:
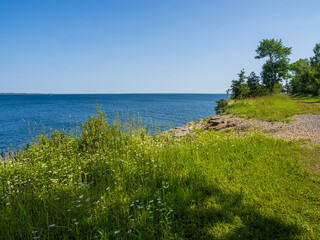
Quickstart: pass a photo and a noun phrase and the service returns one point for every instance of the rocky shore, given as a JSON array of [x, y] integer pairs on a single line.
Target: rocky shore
[[305, 127]]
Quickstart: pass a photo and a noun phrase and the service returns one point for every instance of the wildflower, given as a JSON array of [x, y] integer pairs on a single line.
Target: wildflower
[[81, 196], [116, 232], [88, 199], [51, 225], [129, 231], [107, 188], [165, 187]]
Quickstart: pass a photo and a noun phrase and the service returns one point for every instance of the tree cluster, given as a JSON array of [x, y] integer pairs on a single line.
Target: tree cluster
[[247, 86], [301, 77], [306, 75]]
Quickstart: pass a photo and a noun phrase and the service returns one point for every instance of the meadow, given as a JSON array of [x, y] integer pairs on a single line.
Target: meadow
[[119, 182], [274, 107]]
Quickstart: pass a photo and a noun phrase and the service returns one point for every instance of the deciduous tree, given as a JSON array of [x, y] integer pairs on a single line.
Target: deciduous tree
[[277, 65]]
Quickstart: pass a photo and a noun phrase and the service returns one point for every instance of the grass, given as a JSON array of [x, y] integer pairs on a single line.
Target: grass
[[275, 107], [111, 182]]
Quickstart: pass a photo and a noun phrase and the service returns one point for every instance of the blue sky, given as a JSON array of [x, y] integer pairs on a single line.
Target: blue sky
[[133, 46]]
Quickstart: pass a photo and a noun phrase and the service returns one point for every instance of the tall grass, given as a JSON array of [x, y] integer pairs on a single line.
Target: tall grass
[[274, 107], [107, 182]]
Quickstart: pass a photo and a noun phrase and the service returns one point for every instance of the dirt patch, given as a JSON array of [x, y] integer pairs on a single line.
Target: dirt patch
[[306, 127]]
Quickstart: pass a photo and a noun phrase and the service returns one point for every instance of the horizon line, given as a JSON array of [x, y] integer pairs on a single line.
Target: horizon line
[[23, 93]]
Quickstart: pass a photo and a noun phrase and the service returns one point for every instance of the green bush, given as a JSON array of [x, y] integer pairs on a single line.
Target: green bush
[[221, 105]]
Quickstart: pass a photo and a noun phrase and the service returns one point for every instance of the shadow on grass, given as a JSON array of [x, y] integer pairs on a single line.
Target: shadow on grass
[[313, 102], [214, 209], [205, 212], [306, 98]]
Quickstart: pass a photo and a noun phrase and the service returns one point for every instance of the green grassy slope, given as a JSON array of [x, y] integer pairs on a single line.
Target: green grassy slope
[[274, 108], [108, 184]]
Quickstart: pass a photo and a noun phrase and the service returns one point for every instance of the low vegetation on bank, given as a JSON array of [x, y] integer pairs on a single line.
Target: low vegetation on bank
[[116, 182], [279, 107]]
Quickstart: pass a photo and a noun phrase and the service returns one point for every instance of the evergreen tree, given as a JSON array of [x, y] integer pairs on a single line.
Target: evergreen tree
[[239, 88]]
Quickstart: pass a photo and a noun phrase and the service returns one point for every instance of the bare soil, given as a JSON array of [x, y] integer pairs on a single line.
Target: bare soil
[[305, 127]]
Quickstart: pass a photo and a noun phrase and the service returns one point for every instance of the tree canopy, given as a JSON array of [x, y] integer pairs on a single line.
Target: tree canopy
[[277, 65]]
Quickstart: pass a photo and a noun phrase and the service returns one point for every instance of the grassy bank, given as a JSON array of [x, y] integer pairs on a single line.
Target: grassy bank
[[107, 183], [274, 108]]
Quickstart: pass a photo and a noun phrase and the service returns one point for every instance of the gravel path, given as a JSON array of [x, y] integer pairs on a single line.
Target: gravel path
[[302, 126]]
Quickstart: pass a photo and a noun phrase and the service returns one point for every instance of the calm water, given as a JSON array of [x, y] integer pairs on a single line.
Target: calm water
[[21, 116]]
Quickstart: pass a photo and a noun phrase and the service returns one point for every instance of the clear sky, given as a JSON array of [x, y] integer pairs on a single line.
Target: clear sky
[[150, 46]]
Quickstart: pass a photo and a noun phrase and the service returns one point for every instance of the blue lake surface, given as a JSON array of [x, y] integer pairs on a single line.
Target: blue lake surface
[[22, 115]]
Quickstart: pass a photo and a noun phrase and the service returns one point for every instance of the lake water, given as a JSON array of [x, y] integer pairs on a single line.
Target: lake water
[[21, 115]]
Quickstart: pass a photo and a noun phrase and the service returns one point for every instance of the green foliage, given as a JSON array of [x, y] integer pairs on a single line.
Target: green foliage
[[236, 86], [255, 87], [240, 88], [273, 49], [301, 81], [304, 78], [306, 75], [277, 66], [315, 63], [118, 182], [246, 87], [278, 88], [315, 60], [221, 105], [277, 107]]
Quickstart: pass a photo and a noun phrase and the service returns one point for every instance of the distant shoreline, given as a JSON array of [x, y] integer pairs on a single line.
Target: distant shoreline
[[26, 93]]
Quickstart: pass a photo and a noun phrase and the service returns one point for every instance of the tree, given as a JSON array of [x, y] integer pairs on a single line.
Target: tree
[[239, 88], [315, 63], [302, 76], [253, 82], [315, 60], [277, 66]]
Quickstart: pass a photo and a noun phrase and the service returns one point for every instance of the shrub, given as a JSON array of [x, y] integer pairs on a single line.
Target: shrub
[[221, 105]]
